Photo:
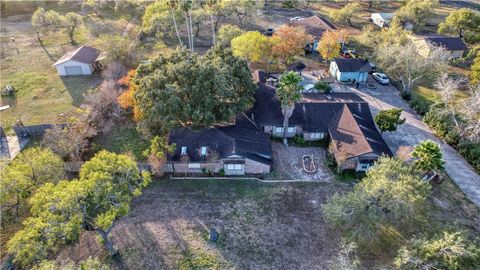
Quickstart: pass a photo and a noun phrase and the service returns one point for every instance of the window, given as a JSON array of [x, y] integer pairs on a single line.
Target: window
[[364, 166], [291, 129], [235, 167], [184, 150], [278, 129], [204, 151], [317, 135], [194, 165]]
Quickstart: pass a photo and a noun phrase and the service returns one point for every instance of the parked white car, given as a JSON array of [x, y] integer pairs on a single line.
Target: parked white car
[[381, 78], [295, 19]]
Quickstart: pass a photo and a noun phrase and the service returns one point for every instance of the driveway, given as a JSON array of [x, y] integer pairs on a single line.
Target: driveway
[[413, 131], [287, 163]]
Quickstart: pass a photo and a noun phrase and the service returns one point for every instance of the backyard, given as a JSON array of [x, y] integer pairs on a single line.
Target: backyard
[[42, 96], [260, 225]]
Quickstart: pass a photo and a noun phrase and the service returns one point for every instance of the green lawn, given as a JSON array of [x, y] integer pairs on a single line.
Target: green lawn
[[43, 96]]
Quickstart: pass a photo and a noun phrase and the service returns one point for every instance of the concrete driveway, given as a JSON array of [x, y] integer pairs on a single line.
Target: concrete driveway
[[413, 131]]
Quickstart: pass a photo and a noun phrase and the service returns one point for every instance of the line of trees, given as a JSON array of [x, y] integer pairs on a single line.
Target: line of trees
[[46, 22], [168, 16], [286, 42]]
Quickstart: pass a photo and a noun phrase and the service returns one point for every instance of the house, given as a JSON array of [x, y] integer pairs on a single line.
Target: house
[[344, 117], [82, 61], [355, 140], [381, 19], [350, 69], [236, 149], [453, 45], [314, 26], [244, 147]]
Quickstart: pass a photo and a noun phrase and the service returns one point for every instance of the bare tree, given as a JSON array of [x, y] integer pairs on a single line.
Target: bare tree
[[471, 112], [448, 86], [103, 106], [114, 71], [403, 63]]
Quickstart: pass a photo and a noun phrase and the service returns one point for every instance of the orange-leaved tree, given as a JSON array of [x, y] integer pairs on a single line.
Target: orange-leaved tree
[[291, 41], [126, 99], [329, 45]]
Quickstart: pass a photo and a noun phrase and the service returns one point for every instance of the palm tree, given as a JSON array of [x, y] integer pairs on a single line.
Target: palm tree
[[289, 93]]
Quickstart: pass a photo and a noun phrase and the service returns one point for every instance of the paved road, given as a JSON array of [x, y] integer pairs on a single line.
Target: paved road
[[415, 130]]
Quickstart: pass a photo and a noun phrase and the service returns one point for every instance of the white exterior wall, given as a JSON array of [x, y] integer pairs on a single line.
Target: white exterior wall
[[87, 69]]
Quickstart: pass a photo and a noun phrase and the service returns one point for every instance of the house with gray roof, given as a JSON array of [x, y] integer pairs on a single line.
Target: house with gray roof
[[350, 69], [453, 45], [244, 146]]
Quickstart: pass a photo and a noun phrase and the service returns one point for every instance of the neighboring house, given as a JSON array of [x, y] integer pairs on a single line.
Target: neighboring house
[[314, 26], [350, 69], [345, 117], [82, 61], [453, 45], [381, 19], [384, 19], [237, 149]]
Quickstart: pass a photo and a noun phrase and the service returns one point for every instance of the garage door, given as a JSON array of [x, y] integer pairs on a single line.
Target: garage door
[[74, 70]]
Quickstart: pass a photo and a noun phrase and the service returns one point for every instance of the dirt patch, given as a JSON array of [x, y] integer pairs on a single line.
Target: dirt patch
[[261, 226]]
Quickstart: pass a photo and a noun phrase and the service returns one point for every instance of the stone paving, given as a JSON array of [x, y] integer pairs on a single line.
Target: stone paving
[[287, 163]]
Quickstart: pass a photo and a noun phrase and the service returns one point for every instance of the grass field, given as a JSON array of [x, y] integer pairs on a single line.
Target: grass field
[[260, 225], [274, 226], [43, 96]]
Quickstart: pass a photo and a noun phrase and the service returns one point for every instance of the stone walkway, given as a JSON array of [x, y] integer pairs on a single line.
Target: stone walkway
[[413, 131]]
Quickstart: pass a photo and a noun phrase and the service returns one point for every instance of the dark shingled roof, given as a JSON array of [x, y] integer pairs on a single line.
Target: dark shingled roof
[[84, 54], [321, 113], [297, 66], [352, 65], [355, 133], [242, 139], [449, 43]]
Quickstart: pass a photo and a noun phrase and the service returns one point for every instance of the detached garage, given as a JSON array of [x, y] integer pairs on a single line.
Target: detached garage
[[82, 61]]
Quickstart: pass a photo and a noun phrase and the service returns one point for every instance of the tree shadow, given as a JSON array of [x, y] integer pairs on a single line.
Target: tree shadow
[[78, 86], [46, 51]]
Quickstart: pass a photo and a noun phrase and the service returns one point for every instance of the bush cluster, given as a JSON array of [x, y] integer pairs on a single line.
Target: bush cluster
[[440, 121]]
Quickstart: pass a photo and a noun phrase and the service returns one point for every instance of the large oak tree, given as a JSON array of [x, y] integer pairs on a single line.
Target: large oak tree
[[188, 90]]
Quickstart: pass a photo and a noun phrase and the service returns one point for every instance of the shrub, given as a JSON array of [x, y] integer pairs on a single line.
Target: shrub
[[301, 142], [438, 119], [420, 105], [323, 87], [406, 95], [221, 172], [471, 152]]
